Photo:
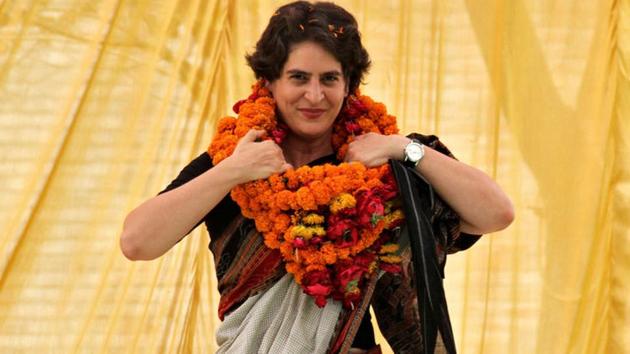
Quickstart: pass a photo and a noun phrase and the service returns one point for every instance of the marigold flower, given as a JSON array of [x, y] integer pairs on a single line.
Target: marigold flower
[[291, 178], [313, 219], [390, 259], [388, 248], [276, 183], [295, 269], [306, 232], [226, 124], [312, 267], [342, 201], [284, 199], [263, 224], [281, 223], [321, 192], [393, 218], [305, 199], [317, 173]]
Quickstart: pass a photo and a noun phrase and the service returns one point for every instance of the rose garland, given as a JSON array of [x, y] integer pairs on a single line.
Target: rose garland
[[333, 224]]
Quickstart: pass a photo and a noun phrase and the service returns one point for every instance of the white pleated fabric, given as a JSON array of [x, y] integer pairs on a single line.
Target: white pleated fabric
[[281, 320]]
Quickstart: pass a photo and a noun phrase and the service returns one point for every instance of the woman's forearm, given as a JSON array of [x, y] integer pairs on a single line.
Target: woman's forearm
[[155, 226], [475, 197], [481, 204]]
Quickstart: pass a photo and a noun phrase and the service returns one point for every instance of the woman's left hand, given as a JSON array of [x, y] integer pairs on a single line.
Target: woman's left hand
[[479, 201], [374, 149]]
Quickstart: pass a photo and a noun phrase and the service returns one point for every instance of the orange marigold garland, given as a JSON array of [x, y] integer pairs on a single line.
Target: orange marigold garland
[[333, 224]]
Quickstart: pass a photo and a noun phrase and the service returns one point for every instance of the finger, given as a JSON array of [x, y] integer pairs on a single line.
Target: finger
[[348, 156], [273, 148], [252, 135], [269, 144], [268, 148], [286, 166]]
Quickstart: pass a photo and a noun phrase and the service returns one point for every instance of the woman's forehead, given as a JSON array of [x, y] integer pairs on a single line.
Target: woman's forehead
[[310, 57]]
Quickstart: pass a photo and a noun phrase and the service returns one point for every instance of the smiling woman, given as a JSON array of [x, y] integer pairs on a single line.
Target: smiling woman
[[305, 213], [309, 95]]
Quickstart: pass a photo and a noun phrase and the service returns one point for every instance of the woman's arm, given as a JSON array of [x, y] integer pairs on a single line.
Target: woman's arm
[[155, 226], [480, 203]]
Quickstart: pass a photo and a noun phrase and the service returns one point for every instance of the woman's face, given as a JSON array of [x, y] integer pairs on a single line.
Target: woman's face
[[310, 91]]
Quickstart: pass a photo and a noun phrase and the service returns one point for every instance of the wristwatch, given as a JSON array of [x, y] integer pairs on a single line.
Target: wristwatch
[[414, 152]]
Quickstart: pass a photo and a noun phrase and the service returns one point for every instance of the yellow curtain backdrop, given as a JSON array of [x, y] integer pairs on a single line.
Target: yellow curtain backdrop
[[103, 102]]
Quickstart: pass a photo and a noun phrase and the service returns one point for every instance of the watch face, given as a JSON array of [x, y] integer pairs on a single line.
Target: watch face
[[414, 152]]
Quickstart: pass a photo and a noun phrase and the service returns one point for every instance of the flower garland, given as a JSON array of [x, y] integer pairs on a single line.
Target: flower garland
[[333, 224]]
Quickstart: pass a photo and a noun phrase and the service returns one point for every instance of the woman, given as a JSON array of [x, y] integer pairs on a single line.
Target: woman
[[310, 60]]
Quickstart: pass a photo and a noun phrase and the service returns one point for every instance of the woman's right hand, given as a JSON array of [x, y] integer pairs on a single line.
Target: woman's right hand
[[155, 226], [254, 160]]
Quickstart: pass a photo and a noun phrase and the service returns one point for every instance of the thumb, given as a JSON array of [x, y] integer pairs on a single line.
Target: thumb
[[251, 135], [285, 167]]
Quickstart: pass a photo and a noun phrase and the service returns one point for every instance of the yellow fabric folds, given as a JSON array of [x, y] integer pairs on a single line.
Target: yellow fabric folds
[[103, 102]]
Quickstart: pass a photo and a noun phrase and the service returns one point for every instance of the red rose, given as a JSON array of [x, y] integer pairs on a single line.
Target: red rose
[[320, 300], [361, 197], [343, 231], [253, 96], [390, 267], [318, 289], [352, 111], [386, 192], [317, 284], [338, 227], [316, 277], [299, 242], [359, 105], [371, 212], [388, 178], [351, 299], [364, 259], [353, 127], [350, 277], [370, 207], [237, 106], [349, 239], [316, 240], [354, 108], [348, 212], [279, 133], [374, 206]]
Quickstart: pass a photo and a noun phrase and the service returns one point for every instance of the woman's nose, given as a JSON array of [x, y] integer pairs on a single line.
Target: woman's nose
[[314, 92]]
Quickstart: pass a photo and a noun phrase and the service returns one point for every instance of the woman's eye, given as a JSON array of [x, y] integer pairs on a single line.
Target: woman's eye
[[299, 77], [330, 78]]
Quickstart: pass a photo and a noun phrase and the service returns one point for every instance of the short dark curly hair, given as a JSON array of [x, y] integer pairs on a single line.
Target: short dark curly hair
[[324, 23]]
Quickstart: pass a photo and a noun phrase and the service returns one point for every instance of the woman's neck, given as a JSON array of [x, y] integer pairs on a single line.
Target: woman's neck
[[298, 151]]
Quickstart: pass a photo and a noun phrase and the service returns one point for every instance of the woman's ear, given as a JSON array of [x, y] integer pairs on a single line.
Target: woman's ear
[[268, 85]]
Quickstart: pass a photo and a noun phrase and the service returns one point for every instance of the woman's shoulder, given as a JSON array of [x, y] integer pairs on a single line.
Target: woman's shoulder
[[196, 167]]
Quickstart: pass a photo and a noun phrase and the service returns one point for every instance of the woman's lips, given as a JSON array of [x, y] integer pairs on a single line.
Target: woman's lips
[[311, 113]]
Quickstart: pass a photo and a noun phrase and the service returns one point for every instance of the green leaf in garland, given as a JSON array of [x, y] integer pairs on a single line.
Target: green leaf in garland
[[353, 284], [375, 219]]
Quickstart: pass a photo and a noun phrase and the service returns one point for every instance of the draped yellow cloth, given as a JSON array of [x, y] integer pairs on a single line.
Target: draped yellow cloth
[[103, 102]]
